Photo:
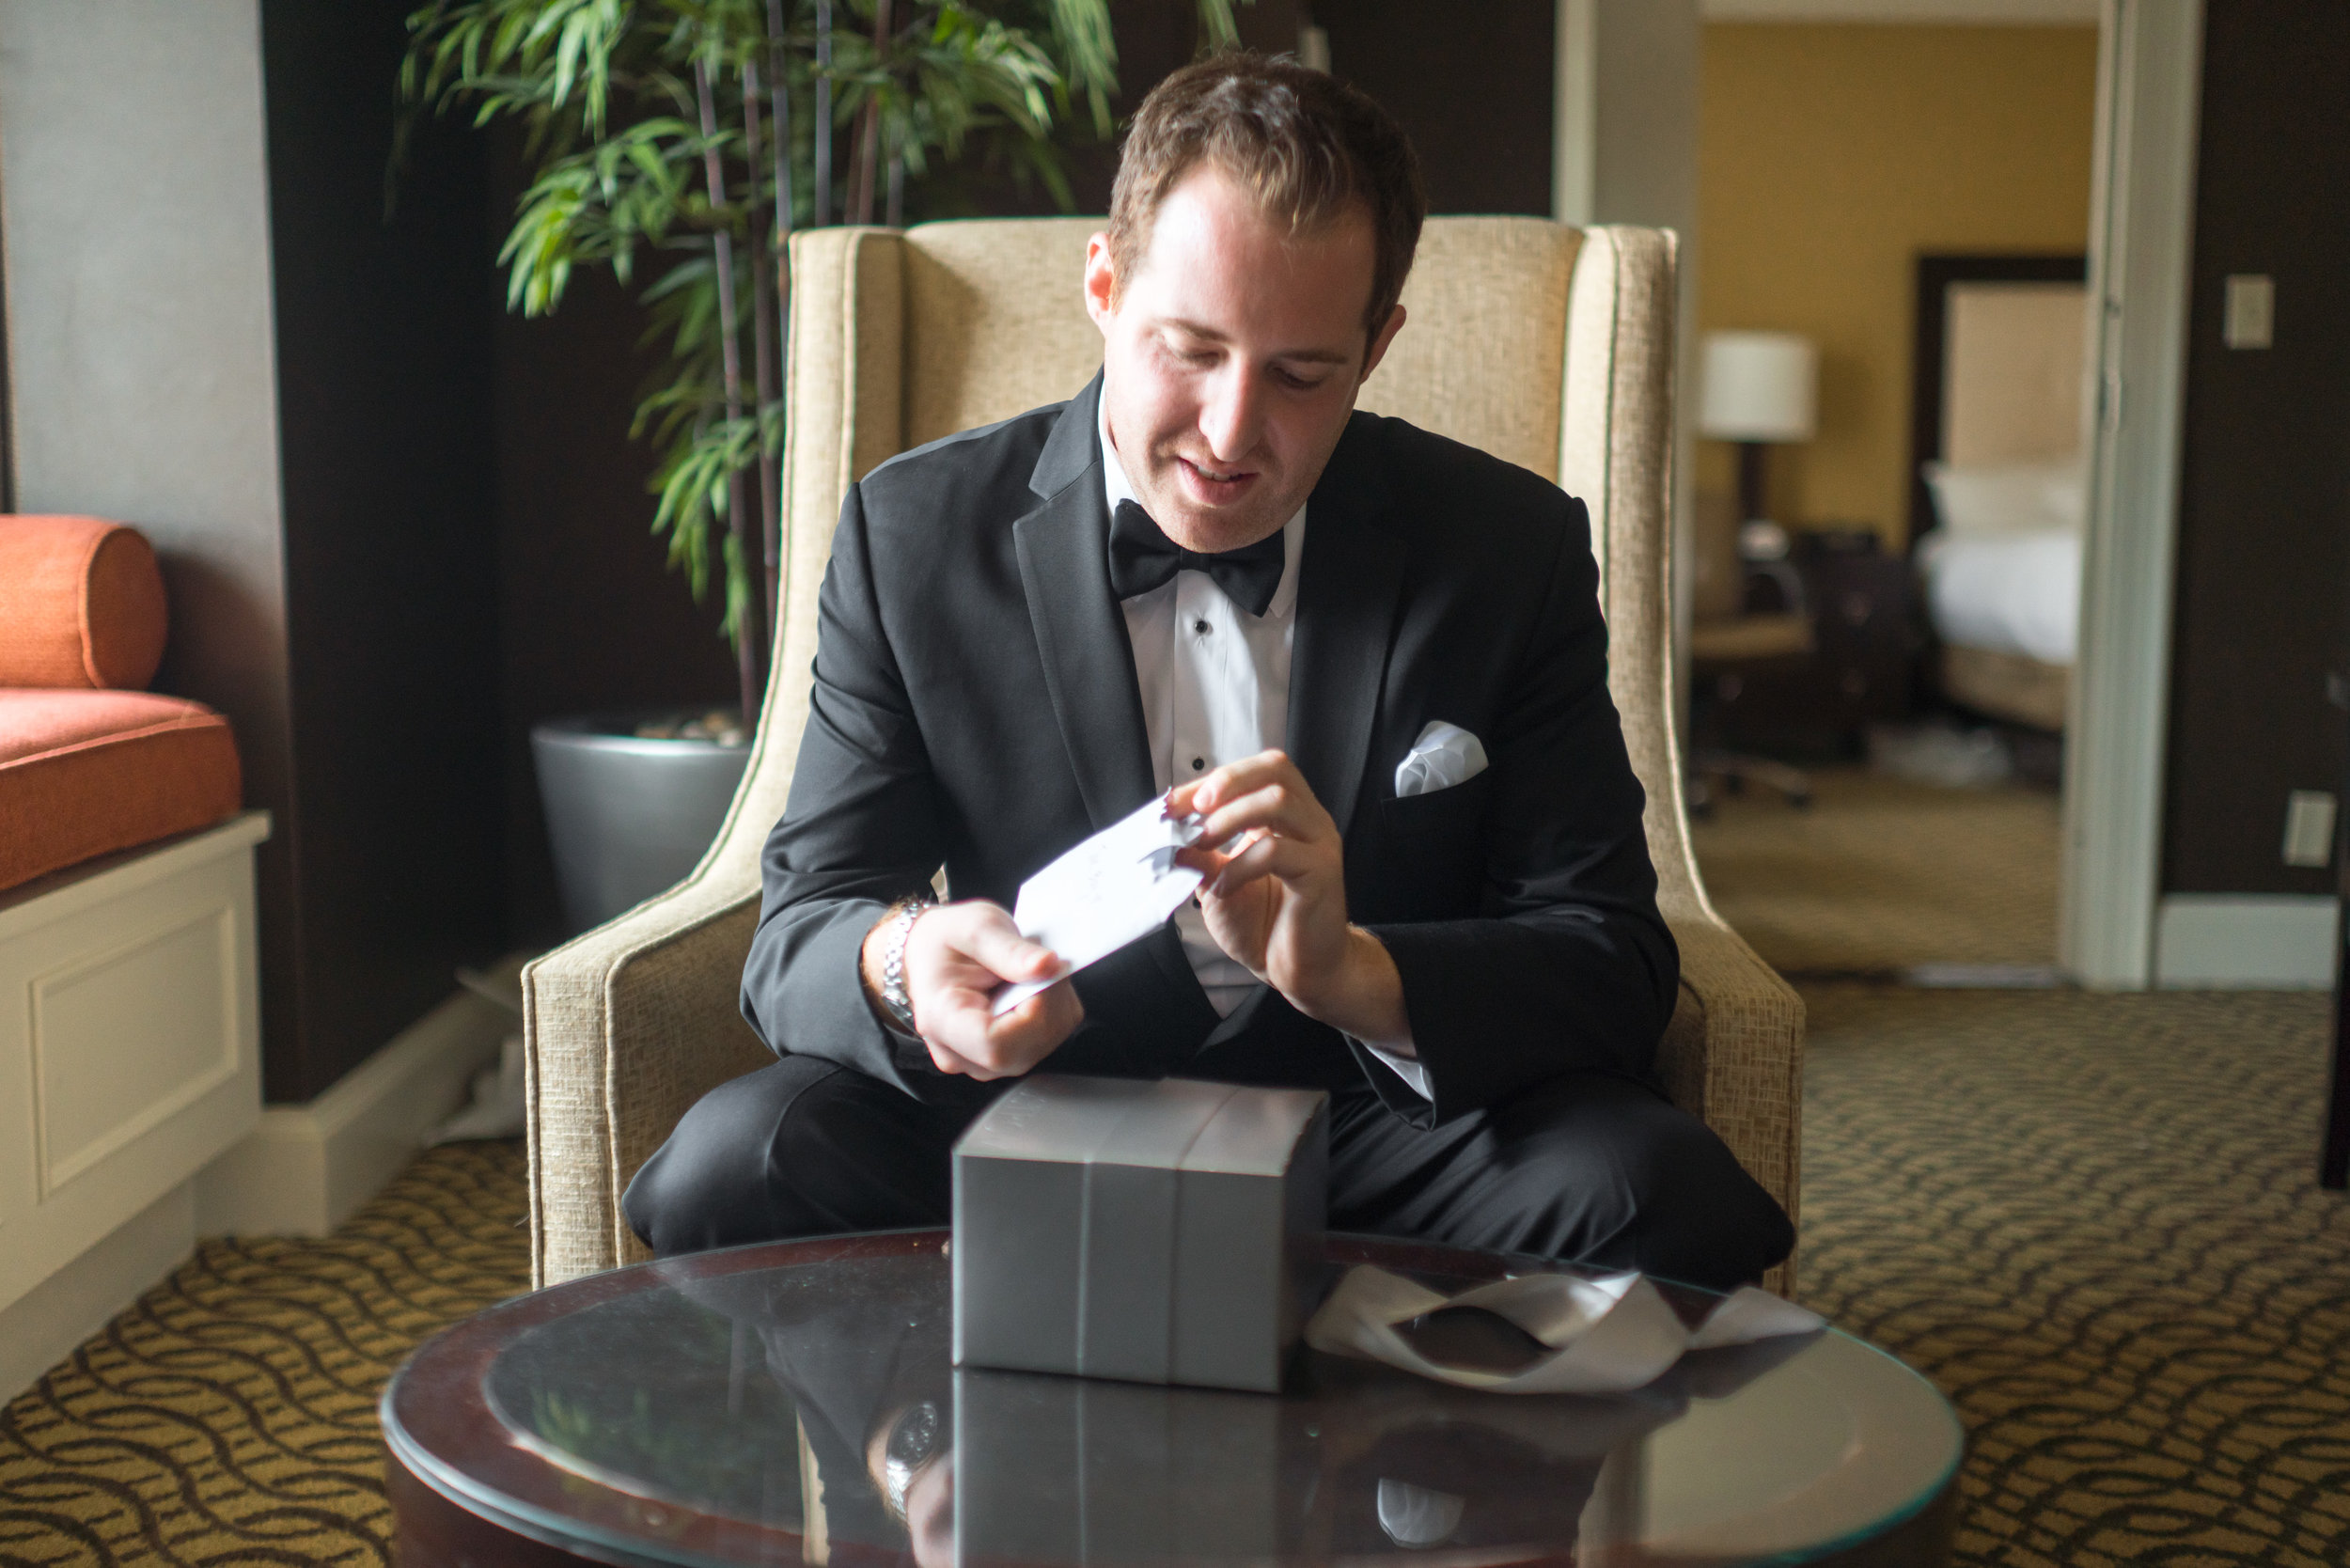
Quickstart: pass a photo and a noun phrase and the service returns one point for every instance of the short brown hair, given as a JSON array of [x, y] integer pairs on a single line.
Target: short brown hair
[[1306, 144]]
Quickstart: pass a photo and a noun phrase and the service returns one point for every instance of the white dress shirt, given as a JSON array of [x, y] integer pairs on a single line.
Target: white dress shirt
[[1216, 688]]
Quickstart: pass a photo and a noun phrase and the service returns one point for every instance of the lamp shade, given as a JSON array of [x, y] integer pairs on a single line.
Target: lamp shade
[[1759, 387]]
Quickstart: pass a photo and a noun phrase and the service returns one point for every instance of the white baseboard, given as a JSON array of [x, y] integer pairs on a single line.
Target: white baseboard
[[42, 1327], [2243, 942], [306, 1167]]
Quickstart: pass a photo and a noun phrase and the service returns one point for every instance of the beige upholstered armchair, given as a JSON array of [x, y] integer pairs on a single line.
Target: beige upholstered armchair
[[1547, 346]]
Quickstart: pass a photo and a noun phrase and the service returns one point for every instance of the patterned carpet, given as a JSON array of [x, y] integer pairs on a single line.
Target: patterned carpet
[[2094, 1222], [2089, 1219], [230, 1416]]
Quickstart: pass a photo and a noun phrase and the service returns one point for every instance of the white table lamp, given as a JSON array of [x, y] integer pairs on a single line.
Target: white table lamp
[[1761, 389]]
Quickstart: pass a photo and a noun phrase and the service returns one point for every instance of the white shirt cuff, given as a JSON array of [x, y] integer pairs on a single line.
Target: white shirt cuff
[[1410, 1069]]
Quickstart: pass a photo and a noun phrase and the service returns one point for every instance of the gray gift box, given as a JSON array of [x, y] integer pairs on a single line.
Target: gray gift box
[[1165, 1232]]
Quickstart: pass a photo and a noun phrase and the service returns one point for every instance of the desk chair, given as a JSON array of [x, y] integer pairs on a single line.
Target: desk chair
[[1731, 635]]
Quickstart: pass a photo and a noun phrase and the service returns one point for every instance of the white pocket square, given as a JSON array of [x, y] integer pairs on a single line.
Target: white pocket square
[[1444, 755]]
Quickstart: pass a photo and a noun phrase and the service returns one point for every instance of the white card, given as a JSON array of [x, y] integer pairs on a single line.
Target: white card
[[1119, 884]]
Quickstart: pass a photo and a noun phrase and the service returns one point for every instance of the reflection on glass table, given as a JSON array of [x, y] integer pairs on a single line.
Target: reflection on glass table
[[798, 1404]]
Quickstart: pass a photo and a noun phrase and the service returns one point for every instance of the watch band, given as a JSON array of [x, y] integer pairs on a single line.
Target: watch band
[[894, 999]]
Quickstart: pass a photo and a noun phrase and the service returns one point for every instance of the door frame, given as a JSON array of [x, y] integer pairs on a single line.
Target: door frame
[[2142, 237]]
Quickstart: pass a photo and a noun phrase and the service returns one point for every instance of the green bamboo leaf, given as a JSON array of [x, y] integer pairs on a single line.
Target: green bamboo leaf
[[601, 91], [1215, 20]]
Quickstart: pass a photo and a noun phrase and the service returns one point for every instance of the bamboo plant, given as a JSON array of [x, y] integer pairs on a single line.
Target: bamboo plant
[[679, 142]]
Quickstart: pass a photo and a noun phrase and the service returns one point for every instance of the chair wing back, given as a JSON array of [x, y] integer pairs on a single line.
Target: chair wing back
[[995, 324], [1550, 346]]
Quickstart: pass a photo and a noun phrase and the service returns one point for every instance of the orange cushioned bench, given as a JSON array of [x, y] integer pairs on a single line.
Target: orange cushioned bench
[[88, 763]]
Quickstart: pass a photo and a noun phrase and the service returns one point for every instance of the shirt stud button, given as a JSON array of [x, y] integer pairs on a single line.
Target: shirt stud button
[[1201, 627], [1198, 764]]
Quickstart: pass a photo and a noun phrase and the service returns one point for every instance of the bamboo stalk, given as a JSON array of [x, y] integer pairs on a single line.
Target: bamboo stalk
[[779, 79], [822, 216], [870, 125], [779, 74], [762, 343], [746, 639], [861, 176]]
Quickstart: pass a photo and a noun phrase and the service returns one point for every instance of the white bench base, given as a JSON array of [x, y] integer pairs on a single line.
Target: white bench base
[[130, 1056]]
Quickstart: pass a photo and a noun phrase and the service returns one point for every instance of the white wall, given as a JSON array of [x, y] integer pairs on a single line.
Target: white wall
[[136, 221], [142, 364]]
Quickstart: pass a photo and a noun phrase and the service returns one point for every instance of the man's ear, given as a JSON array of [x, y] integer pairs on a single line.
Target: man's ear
[[1379, 344], [1101, 282]]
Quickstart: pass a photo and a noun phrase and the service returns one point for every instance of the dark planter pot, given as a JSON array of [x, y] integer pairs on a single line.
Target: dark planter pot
[[627, 817]]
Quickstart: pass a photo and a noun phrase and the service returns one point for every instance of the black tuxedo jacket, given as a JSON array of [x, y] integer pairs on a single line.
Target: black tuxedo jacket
[[976, 706]]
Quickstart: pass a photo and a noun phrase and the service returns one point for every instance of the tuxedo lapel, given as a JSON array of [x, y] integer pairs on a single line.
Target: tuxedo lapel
[[1348, 583], [1080, 633], [1089, 661]]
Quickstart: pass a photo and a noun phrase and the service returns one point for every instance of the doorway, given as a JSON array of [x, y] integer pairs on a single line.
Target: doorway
[[1902, 214]]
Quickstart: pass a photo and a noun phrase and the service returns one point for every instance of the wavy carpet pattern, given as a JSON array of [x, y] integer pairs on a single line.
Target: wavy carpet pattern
[[2090, 1219], [2094, 1222], [229, 1416]]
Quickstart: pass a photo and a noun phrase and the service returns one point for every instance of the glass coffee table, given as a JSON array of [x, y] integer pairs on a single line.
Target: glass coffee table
[[796, 1403]]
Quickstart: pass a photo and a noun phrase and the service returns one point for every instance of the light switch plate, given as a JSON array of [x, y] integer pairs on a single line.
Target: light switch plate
[[2308, 828], [2251, 316]]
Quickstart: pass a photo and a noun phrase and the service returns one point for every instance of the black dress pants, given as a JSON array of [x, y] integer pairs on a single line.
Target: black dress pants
[[1584, 1167]]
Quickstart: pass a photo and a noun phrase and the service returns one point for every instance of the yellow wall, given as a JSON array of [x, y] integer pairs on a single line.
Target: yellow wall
[[1829, 157]]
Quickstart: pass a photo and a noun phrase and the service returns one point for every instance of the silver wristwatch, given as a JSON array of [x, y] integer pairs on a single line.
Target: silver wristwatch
[[894, 999]]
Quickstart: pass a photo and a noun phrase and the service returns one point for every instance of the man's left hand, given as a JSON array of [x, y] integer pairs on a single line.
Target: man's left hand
[[1275, 896]]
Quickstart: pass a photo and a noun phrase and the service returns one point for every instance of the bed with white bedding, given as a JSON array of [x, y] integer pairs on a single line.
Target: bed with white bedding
[[2000, 509], [2009, 594], [2003, 587]]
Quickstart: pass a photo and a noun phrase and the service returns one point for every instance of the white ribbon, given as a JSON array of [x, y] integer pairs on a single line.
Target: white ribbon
[[1605, 1335]]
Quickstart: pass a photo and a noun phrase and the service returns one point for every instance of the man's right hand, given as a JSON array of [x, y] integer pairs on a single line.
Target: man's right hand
[[957, 956]]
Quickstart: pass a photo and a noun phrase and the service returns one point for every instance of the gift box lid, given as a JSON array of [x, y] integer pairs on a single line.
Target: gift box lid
[[1170, 1124]]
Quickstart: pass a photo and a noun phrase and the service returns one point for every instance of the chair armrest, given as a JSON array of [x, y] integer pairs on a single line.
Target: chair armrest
[[624, 1029], [1733, 1057]]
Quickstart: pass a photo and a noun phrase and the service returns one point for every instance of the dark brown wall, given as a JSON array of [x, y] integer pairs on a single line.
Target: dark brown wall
[[1154, 37], [2264, 497], [1472, 85], [389, 876], [591, 616]]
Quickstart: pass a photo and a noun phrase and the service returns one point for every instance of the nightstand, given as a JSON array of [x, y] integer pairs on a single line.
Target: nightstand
[[1859, 672]]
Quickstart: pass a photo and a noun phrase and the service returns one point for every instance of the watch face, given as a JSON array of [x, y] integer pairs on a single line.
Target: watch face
[[911, 1443]]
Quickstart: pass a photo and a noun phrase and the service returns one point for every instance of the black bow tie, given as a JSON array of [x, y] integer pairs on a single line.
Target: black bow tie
[[1143, 558]]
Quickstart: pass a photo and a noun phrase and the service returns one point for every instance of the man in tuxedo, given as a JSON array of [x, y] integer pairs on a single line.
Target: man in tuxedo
[[1207, 576]]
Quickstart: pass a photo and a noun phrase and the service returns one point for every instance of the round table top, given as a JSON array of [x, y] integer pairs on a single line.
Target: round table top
[[796, 1401]]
